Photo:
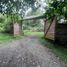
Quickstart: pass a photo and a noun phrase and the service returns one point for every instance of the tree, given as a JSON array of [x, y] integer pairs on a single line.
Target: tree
[[13, 9], [57, 8], [18, 6]]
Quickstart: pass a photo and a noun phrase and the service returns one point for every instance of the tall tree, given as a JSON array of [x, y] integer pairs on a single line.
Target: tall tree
[[57, 8], [19, 6]]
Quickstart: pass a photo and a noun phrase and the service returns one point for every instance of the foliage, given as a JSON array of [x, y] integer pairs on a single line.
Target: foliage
[[57, 8], [6, 21], [33, 25], [15, 17], [12, 11], [15, 6]]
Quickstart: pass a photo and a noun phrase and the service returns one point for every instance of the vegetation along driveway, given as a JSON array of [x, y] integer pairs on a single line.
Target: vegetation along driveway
[[28, 52]]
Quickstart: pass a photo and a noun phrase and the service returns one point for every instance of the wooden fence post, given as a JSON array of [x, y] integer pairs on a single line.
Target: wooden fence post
[[44, 27]]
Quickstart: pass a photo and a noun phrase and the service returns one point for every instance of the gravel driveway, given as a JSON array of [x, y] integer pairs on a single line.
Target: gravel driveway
[[28, 52]]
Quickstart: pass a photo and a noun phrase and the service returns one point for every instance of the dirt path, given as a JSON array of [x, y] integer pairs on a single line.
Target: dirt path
[[27, 52]]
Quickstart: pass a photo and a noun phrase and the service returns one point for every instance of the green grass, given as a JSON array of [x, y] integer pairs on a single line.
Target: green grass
[[59, 51], [28, 33], [5, 38]]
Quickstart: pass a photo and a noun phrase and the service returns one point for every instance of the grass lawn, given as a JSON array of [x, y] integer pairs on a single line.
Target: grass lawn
[[28, 33], [5, 38], [59, 51]]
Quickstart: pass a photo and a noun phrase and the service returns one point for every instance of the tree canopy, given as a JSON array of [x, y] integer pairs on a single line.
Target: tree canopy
[[57, 8], [15, 6]]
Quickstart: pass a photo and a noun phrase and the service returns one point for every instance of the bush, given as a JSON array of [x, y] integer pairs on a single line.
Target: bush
[[6, 22]]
